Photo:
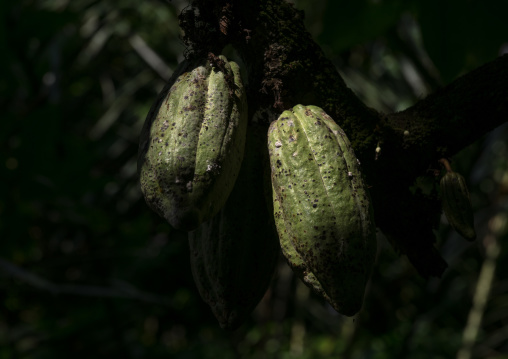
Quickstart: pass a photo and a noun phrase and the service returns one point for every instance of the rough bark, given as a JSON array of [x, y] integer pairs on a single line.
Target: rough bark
[[286, 67]]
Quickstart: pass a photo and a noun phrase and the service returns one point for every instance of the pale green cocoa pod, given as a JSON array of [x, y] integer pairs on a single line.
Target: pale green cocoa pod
[[293, 258], [457, 204], [192, 143], [233, 255], [324, 202]]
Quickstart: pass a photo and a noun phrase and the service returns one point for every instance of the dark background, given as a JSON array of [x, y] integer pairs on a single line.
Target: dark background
[[87, 270]]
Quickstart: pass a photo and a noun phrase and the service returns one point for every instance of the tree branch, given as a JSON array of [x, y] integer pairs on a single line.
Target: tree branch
[[438, 126], [457, 115], [286, 67]]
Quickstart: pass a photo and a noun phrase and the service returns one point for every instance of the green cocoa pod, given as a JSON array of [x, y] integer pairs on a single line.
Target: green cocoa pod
[[324, 202], [293, 258], [457, 204], [233, 256], [192, 143]]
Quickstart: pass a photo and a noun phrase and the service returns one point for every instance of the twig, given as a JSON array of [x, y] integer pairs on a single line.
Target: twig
[[151, 58], [122, 101], [125, 290], [496, 226], [446, 164]]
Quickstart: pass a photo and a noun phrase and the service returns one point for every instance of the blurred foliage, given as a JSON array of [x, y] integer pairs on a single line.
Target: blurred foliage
[[87, 270]]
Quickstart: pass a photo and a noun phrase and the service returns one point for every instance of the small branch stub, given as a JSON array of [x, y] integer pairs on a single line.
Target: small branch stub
[[446, 164]]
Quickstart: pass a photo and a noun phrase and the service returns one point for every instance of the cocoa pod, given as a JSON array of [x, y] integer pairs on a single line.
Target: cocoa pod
[[324, 202], [457, 204], [233, 255], [192, 143], [293, 258]]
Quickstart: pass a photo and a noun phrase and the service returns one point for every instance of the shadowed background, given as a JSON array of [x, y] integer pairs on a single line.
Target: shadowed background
[[86, 269]]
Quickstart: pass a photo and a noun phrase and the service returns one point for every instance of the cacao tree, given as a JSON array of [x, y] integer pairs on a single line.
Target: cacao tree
[[86, 269], [286, 67]]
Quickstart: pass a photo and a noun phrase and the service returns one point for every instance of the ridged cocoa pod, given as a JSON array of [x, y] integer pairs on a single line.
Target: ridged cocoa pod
[[233, 256], [457, 204], [293, 258], [324, 203], [192, 142]]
